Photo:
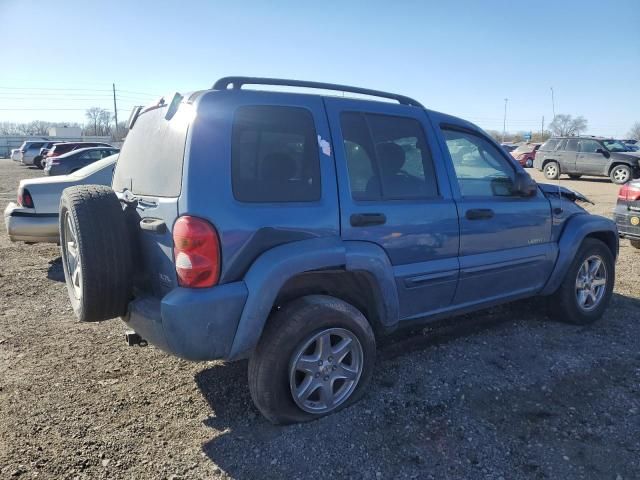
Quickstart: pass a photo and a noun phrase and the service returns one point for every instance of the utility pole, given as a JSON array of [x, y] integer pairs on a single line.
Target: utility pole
[[542, 128], [553, 104], [115, 110], [504, 123]]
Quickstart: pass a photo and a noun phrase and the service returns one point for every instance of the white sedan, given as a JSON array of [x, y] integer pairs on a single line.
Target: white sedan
[[34, 218]]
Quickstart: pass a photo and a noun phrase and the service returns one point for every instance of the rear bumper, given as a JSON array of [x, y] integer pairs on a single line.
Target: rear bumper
[[625, 220], [23, 225], [194, 324]]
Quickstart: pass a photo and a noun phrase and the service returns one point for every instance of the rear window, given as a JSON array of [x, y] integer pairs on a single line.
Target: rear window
[[550, 144], [274, 155], [150, 161]]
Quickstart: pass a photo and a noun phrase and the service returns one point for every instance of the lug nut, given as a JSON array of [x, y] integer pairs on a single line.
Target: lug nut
[[326, 379], [331, 359], [317, 374], [334, 367]]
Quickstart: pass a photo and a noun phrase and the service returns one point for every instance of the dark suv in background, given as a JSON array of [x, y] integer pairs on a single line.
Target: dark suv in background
[[594, 156]]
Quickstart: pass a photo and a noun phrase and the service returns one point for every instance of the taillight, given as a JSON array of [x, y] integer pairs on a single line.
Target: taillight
[[196, 250], [24, 198], [629, 193]]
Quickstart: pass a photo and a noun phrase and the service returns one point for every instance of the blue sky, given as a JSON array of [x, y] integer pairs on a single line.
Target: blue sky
[[462, 57]]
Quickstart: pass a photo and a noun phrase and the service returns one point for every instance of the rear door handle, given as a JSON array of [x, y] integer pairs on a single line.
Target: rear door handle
[[366, 219], [479, 214]]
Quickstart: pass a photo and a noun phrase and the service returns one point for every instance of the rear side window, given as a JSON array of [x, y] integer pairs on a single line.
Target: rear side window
[[572, 145], [550, 144], [589, 146], [387, 157], [274, 155]]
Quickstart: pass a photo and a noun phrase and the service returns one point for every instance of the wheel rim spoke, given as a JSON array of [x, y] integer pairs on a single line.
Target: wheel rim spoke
[[591, 283]]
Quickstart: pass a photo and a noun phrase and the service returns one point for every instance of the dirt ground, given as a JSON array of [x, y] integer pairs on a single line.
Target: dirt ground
[[501, 394]]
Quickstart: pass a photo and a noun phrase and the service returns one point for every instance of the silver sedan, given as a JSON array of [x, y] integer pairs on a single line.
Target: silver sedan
[[34, 217]]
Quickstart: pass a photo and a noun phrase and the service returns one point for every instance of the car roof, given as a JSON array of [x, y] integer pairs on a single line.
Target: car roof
[[79, 150]]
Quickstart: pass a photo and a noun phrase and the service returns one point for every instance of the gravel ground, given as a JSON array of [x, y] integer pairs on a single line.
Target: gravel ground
[[501, 394]]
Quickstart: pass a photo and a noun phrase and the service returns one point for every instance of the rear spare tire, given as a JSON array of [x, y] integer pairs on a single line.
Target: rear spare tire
[[96, 255]]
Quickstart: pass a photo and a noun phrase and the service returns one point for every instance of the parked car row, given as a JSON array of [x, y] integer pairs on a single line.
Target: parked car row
[[33, 217], [37, 152]]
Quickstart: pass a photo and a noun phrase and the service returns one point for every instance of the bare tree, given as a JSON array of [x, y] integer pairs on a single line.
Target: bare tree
[[99, 121], [566, 125], [635, 131]]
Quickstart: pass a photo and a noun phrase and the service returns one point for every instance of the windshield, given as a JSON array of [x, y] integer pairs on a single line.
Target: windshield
[[615, 146], [95, 167]]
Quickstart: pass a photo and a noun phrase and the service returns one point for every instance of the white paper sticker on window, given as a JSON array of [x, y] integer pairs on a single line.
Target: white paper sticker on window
[[325, 146]]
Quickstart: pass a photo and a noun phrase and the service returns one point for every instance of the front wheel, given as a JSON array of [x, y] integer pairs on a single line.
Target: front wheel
[[38, 162], [587, 287], [620, 174], [315, 357], [552, 170]]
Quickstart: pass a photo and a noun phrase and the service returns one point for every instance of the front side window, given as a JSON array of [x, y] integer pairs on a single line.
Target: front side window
[[480, 168], [274, 155], [387, 157], [588, 146]]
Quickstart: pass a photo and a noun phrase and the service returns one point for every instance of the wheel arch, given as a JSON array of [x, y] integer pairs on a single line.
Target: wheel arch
[[616, 163], [577, 229], [317, 266]]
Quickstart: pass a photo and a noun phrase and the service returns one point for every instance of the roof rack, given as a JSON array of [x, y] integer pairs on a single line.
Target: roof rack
[[236, 83]]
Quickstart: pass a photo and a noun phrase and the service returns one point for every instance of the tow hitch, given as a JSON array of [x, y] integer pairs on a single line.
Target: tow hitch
[[132, 339]]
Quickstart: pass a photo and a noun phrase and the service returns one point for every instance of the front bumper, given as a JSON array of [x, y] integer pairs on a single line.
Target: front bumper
[[627, 221], [194, 324], [23, 225]]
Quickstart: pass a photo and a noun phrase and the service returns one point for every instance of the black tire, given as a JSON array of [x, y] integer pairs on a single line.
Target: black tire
[[563, 304], [528, 163], [37, 161], [552, 170], [105, 268], [635, 243], [574, 176], [285, 333], [621, 174]]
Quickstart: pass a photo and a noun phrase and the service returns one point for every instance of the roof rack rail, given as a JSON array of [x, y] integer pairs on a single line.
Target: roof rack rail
[[236, 83]]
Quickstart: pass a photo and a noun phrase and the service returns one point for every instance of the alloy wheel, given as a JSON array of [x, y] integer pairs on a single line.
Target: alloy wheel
[[325, 370], [591, 283], [72, 255]]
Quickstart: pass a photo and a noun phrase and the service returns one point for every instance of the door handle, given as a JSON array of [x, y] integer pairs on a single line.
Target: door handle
[[479, 214], [365, 219]]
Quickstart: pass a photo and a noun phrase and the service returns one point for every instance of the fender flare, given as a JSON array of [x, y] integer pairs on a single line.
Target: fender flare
[[272, 269], [577, 228]]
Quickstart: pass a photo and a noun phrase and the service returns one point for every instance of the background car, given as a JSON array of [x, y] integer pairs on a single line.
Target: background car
[[29, 149], [64, 147], [627, 212], [509, 147], [76, 159], [525, 154], [15, 154], [38, 159], [34, 218]]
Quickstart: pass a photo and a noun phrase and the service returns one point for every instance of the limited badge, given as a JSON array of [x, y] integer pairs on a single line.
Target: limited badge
[[635, 221]]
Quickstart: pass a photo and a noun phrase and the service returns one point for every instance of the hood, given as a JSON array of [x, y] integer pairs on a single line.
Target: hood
[[626, 155], [551, 189]]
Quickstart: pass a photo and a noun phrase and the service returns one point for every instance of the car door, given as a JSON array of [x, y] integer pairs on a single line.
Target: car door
[[590, 160], [394, 192], [569, 156], [505, 239]]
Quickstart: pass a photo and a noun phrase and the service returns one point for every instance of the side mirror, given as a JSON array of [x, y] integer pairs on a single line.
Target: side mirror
[[603, 152], [524, 185]]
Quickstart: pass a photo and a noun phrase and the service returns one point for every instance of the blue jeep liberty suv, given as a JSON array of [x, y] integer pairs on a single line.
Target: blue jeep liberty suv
[[294, 229]]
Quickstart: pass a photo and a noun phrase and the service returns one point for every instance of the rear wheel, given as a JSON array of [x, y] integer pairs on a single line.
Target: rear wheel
[[620, 174], [37, 161], [315, 357], [528, 163], [552, 170], [96, 256], [587, 287]]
